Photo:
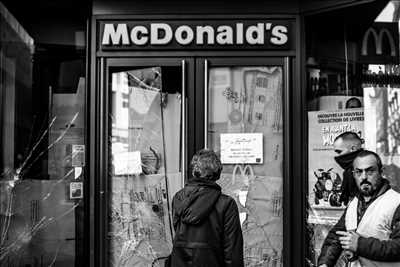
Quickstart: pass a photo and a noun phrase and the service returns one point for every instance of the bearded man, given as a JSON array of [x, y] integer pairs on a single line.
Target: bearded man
[[369, 230]]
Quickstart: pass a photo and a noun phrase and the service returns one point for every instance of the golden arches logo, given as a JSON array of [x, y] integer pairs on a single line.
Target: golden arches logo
[[378, 38], [243, 171]]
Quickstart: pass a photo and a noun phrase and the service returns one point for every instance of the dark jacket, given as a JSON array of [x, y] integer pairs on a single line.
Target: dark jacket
[[370, 248], [207, 227], [349, 188]]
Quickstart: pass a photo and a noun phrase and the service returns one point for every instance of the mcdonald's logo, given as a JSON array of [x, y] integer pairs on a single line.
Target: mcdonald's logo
[[378, 38]]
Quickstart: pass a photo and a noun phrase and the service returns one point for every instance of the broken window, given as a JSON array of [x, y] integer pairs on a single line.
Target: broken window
[[42, 158], [146, 155]]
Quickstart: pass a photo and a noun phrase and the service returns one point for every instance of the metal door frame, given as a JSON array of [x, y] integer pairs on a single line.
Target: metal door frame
[[100, 185], [202, 66], [295, 171]]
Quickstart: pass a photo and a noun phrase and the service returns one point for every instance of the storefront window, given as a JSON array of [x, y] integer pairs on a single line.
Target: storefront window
[[245, 126], [42, 140], [146, 164], [352, 86]]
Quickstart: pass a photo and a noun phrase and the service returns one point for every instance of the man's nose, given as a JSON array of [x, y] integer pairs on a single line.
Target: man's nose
[[363, 175]]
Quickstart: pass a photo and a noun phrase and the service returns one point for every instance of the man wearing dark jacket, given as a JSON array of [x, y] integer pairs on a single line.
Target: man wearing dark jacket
[[206, 222], [369, 230], [346, 146]]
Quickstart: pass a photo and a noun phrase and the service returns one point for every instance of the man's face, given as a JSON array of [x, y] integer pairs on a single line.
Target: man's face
[[367, 174], [341, 147]]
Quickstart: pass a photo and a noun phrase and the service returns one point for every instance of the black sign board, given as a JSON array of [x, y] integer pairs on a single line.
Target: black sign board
[[254, 34], [380, 44]]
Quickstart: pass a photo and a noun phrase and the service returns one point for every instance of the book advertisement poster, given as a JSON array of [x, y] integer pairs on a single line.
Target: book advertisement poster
[[324, 174]]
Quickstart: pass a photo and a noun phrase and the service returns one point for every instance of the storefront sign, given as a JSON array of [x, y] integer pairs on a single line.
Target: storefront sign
[[242, 148], [380, 44], [133, 35]]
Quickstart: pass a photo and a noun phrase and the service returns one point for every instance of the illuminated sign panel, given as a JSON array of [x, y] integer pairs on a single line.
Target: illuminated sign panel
[[380, 44], [175, 35]]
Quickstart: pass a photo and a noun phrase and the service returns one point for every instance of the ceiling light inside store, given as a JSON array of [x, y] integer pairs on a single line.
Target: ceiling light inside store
[[389, 13]]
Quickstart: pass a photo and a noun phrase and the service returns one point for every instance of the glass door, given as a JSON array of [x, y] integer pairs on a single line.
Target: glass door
[[147, 157], [243, 122]]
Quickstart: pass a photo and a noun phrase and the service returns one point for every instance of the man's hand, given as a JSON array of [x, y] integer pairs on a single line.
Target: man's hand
[[348, 240]]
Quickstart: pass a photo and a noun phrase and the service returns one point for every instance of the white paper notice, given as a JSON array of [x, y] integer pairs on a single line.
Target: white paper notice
[[246, 148], [127, 163], [76, 190]]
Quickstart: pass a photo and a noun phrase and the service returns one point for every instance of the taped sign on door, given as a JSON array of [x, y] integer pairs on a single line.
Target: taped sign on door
[[242, 148], [78, 155]]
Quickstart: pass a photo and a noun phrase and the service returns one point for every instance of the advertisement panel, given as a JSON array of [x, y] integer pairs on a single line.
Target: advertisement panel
[[325, 176]]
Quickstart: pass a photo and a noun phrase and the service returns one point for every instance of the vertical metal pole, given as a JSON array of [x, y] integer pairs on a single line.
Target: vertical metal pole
[[205, 104], [183, 130], [287, 230], [102, 198]]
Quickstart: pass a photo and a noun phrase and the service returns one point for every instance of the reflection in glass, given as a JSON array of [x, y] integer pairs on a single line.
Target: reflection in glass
[[145, 149], [249, 100], [42, 162]]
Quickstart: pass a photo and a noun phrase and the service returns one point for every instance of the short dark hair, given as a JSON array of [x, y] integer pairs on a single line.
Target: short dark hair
[[352, 101], [348, 136], [206, 164], [365, 153]]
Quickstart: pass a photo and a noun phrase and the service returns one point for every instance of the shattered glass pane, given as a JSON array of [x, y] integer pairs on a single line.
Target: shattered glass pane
[[145, 167], [42, 162], [249, 100], [42, 219], [42, 213]]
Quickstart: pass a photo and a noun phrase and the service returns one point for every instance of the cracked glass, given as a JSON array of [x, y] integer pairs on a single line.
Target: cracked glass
[[245, 102], [42, 158], [145, 120]]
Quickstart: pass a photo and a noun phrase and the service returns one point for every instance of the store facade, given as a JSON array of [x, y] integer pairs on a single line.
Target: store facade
[[198, 79], [157, 82]]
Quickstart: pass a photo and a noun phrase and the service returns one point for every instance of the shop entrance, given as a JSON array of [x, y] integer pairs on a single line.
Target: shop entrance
[[160, 111], [146, 134], [244, 122]]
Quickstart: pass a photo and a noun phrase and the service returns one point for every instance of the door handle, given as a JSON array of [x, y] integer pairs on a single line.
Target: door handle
[[183, 130], [205, 104]]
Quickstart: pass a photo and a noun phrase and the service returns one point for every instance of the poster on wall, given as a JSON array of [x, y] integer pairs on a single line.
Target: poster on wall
[[324, 174]]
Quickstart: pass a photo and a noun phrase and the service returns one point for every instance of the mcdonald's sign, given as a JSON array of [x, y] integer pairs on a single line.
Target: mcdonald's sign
[[380, 44]]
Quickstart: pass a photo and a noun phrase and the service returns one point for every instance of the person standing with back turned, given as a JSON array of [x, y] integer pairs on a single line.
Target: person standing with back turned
[[206, 222]]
